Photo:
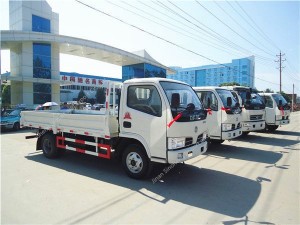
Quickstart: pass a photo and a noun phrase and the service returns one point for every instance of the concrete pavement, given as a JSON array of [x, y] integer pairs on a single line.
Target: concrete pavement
[[251, 180]]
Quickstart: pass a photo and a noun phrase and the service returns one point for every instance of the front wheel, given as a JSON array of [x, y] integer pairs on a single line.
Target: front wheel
[[136, 162], [245, 133], [218, 142], [272, 128]]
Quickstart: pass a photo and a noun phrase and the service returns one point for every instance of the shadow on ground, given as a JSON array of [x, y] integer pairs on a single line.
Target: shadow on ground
[[203, 188], [273, 141], [242, 153]]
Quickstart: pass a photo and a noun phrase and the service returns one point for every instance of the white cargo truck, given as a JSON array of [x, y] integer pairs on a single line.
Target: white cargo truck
[[253, 108], [277, 110], [145, 120], [224, 114]]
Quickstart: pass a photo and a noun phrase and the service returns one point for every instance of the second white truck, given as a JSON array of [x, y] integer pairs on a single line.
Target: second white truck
[[224, 114], [145, 120]]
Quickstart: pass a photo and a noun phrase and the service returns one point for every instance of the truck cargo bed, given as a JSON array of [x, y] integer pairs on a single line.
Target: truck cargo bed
[[85, 122]]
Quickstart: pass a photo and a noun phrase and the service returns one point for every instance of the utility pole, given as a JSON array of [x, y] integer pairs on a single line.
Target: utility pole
[[280, 67], [293, 98]]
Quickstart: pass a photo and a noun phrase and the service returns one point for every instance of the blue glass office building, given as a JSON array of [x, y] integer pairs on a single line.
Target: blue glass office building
[[41, 62], [142, 70], [239, 70]]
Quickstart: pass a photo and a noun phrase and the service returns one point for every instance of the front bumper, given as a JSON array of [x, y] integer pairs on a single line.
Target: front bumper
[[227, 135], [282, 122], [253, 126], [177, 156]]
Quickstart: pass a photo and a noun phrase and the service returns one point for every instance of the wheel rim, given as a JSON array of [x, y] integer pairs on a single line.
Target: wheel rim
[[47, 146], [134, 162]]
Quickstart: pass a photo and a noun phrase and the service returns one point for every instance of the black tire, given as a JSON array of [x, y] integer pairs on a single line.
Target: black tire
[[49, 146], [245, 133], [272, 128], [16, 126], [136, 162], [217, 142]]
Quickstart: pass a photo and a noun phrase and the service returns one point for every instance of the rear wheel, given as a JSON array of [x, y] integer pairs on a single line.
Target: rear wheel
[[136, 162], [49, 146]]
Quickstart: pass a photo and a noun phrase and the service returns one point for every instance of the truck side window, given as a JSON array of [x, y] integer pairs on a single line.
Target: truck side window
[[204, 96], [235, 96], [144, 98], [268, 101]]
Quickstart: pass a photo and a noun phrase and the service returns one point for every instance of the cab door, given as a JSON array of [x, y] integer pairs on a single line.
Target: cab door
[[214, 120], [270, 109], [144, 118]]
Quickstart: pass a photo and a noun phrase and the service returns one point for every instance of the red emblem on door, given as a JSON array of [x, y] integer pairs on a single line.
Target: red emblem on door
[[127, 116]]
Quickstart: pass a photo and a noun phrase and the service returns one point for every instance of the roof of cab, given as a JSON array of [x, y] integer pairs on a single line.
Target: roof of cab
[[152, 80]]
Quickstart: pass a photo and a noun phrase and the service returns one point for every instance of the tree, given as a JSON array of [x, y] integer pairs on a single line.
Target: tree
[[5, 95], [229, 84], [268, 90], [100, 95], [81, 96], [287, 98]]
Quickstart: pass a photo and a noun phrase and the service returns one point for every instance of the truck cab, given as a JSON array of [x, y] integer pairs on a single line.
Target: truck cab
[[166, 117], [277, 110], [224, 114], [253, 108]]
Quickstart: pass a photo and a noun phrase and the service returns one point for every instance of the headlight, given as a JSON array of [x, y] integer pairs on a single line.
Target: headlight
[[174, 143], [226, 126], [247, 125]]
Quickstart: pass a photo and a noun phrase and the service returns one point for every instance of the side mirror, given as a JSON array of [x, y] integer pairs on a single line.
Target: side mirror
[[280, 103], [248, 95], [208, 103], [175, 100], [229, 101]]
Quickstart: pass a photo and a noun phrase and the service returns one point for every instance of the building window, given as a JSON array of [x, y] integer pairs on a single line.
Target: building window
[[40, 24], [41, 93], [41, 60]]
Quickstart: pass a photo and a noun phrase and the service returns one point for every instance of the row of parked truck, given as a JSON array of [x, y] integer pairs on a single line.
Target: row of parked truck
[[156, 120]]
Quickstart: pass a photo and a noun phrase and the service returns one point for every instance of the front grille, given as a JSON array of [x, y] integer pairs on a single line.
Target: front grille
[[238, 126], [188, 141], [256, 117]]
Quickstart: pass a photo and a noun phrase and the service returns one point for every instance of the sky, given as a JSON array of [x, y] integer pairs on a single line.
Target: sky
[[184, 34]]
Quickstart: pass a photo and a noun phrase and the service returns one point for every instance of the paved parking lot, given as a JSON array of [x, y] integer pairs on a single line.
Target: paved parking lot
[[252, 180]]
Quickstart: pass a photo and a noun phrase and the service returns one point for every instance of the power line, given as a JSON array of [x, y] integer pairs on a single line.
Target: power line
[[231, 28], [211, 32], [194, 36], [236, 22], [147, 32], [262, 32], [165, 40]]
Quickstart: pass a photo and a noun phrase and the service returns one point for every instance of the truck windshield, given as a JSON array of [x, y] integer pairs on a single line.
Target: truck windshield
[[278, 97], [224, 94], [188, 98], [255, 102]]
